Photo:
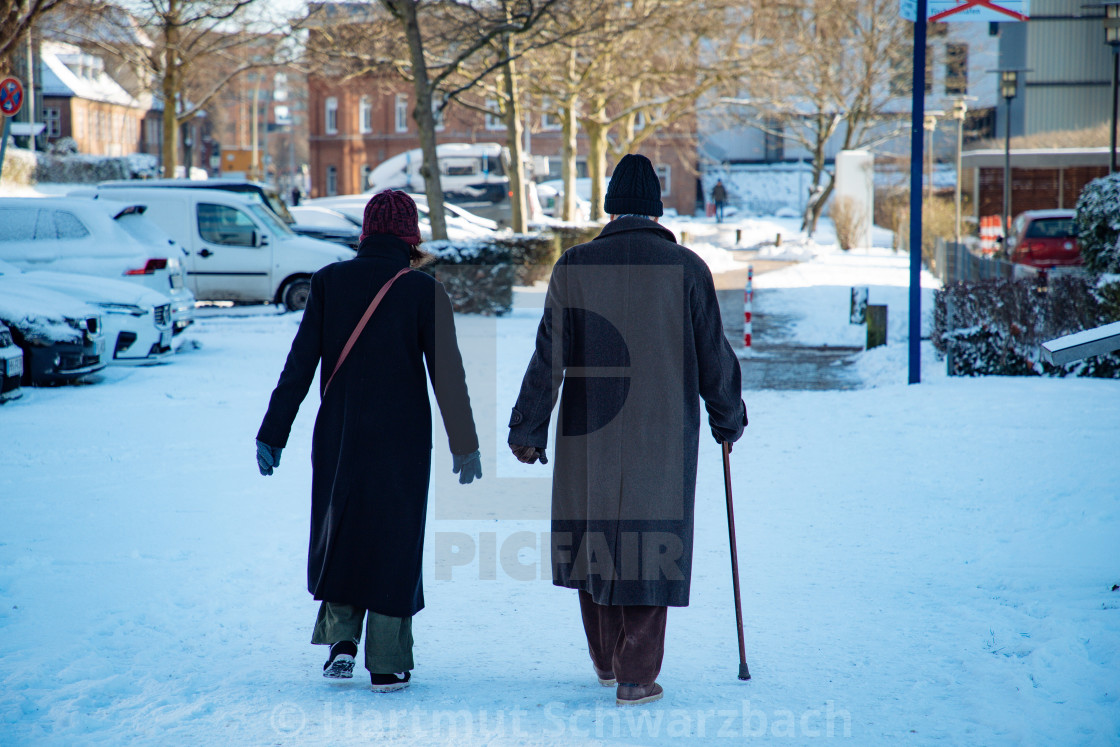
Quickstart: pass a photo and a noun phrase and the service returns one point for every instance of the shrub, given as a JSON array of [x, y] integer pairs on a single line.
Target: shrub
[[997, 326], [1098, 224], [849, 221]]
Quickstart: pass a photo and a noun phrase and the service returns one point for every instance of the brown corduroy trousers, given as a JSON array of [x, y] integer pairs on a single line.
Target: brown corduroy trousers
[[628, 640]]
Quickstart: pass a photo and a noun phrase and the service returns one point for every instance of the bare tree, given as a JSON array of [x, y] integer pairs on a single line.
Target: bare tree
[[827, 70], [188, 49], [16, 19]]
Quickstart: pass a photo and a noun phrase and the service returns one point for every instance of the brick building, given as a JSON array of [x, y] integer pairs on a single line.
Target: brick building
[[1040, 179]]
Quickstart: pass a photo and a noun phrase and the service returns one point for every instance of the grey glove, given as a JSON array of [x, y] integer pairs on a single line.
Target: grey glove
[[467, 466], [268, 457], [528, 454]]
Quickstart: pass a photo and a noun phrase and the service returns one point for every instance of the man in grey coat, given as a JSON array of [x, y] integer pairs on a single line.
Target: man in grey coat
[[632, 332]]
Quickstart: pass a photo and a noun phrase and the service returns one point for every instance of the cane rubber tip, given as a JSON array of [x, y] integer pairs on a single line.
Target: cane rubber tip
[[744, 674]]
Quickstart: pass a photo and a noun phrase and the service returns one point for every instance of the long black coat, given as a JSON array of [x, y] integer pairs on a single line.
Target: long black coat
[[372, 446], [632, 331]]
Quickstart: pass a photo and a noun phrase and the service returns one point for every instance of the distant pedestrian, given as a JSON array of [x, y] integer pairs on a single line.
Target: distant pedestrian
[[295, 195], [632, 330], [719, 197], [372, 444]]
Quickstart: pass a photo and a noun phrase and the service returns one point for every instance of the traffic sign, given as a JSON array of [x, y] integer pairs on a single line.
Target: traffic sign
[[968, 10], [11, 96]]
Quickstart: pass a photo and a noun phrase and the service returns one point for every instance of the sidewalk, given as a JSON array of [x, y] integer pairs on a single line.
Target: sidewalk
[[773, 361]]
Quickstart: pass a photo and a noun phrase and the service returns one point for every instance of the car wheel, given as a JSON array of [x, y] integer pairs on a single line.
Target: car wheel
[[295, 294]]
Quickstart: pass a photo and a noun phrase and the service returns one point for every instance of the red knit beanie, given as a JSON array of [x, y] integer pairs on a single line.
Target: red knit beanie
[[391, 212]]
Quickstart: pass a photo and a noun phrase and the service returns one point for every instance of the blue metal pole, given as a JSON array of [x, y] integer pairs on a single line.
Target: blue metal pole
[[916, 159]]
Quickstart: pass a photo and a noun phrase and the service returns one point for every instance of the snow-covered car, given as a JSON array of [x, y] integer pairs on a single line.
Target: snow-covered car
[[136, 321], [353, 207], [326, 224], [92, 237], [61, 338], [11, 365], [458, 212], [551, 192]]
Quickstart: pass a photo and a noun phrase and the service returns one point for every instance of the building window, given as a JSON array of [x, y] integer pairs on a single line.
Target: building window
[[332, 116], [665, 176], [365, 116], [493, 116], [550, 120], [401, 112], [53, 119], [332, 180], [956, 69]]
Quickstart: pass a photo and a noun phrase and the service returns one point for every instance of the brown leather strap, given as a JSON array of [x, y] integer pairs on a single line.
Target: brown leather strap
[[361, 325]]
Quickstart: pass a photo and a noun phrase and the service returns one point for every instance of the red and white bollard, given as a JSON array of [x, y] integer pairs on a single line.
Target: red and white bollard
[[748, 298]]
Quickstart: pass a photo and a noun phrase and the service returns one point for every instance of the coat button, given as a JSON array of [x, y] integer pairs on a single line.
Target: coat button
[[514, 419]]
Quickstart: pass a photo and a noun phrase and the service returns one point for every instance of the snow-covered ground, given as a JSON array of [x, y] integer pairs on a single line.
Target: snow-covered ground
[[927, 563]]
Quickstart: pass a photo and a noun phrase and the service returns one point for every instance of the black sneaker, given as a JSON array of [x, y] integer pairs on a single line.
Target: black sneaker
[[387, 683], [340, 665]]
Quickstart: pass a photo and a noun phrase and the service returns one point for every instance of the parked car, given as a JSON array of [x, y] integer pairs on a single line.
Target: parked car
[[236, 248], [136, 321], [88, 237], [353, 207], [61, 338], [11, 366], [263, 192], [551, 192], [1044, 239], [326, 224]]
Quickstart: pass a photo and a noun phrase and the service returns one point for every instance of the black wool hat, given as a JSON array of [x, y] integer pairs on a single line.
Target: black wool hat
[[634, 188]]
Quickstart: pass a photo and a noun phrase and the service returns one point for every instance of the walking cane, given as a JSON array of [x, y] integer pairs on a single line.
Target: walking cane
[[744, 673]]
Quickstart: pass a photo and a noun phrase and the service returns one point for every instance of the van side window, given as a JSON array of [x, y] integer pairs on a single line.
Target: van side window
[[221, 224], [67, 226], [18, 223]]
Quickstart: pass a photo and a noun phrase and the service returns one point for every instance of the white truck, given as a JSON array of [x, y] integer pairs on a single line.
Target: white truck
[[236, 248]]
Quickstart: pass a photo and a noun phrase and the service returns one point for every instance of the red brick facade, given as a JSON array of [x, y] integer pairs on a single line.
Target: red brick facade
[[351, 151]]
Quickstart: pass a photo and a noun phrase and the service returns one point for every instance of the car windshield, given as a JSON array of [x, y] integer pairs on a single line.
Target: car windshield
[[269, 219], [278, 206], [1051, 228]]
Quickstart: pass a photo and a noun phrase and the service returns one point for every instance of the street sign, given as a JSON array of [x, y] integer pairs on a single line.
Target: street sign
[[967, 10], [11, 96]]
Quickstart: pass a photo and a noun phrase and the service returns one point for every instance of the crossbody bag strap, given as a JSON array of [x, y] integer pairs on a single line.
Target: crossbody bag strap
[[361, 326]]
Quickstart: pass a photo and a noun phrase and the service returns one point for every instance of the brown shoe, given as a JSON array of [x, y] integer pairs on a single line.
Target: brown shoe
[[629, 694], [606, 679]]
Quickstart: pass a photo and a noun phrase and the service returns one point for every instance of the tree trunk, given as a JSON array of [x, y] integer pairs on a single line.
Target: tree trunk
[[169, 86], [519, 221], [568, 157], [597, 157], [405, 11]]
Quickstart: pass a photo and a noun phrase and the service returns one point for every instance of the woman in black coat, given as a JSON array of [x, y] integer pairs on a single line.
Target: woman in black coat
[[371, 448]]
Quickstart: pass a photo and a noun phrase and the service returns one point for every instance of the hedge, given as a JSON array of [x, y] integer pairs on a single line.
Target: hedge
[[995, 327], [33, 167]]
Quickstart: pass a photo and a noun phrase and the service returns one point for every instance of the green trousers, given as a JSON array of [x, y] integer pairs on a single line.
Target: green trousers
[[388, 639]]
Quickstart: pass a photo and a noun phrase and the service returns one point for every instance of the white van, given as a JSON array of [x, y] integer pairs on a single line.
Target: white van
[[236, 248]]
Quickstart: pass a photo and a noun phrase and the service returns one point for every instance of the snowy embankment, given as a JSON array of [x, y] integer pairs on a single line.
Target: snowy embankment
[[929, 563]]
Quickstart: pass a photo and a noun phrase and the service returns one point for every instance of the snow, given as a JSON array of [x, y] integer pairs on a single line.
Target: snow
[[929, 562]]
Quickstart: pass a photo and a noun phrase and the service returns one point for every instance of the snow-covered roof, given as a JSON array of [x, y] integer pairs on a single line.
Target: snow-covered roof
[[68, 71]]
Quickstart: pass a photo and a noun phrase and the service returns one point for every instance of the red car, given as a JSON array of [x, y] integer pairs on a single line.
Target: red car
[[1044, 239]]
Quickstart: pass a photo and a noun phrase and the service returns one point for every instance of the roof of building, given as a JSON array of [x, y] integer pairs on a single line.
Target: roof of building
[[67, 71]]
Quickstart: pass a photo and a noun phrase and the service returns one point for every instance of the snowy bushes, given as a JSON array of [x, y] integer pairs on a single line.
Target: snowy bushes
[[849, 221], [996, 326], [479, 275], [28, 167], [1098, 224]]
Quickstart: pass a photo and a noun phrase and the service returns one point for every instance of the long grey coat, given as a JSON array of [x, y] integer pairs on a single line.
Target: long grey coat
[[632, 331]]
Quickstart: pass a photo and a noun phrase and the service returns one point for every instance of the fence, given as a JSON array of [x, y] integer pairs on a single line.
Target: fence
[[955, 262]]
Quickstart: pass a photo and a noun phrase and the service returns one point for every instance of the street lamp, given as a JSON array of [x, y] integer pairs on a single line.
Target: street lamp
[[929, 123], [1008, 87], [959, 113], [1111, 19]]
